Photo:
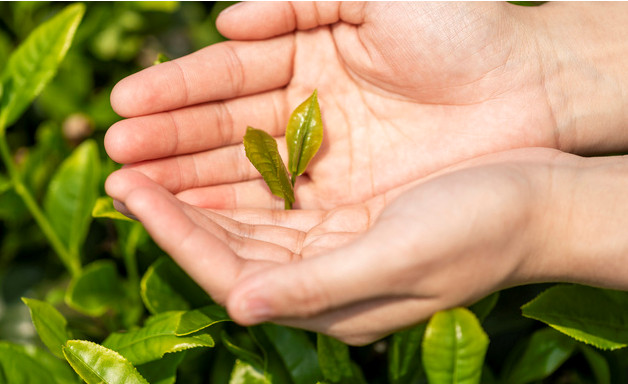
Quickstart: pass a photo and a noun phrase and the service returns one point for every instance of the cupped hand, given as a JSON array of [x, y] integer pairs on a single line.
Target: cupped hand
[[362, 271], [405, 89]]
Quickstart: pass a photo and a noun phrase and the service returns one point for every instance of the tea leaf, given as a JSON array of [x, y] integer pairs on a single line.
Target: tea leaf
[[483, 308], [592, 315], [544, 353], [35, 62], [162, 371], [242, 353], [166, 287], [335, 362], [99, 365], [245, 373], [96, 290], [597, 362], [155, 339], [454, 346], [50, 325], [261, 150], [404, 355], [104, 208], [304, 135], [71, 195], [29, 364], [201, 318]]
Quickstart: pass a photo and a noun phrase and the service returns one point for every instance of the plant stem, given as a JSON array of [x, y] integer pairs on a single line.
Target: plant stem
[[35, 210]]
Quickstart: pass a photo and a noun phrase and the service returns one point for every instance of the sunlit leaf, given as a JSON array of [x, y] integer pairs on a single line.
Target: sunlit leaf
[[404, 354], [99, 365], [201, 318], [245, 373], [454, 346], [103, 207], [296, 351], [261, 150], [304, 135], [51, 326], [592, 315], [36, 60], [156, 338], [96, 290], [545, 351], [335, 362], [22, 364]]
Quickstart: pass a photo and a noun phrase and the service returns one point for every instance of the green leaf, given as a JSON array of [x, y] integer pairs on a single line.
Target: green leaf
[[22, 364], [35, 62], [544, 353], [103, 207], [261, 150], [50, 325], [71, 196], [155, 339], [404, 355], [598, 364], [245, 373], [201, 318], [304, 135], [242, 353], [592, 315], [96, 290], [335, 362], [296, 351], [97, 364], [162, 371], [454, 346], [166, 287], [482, 308], [161, 58]]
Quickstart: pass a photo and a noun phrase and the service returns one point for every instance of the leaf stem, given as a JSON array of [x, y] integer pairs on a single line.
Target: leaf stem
[[39, 216]]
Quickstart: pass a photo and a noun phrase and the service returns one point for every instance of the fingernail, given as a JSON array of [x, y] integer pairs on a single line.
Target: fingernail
[[256, 310]]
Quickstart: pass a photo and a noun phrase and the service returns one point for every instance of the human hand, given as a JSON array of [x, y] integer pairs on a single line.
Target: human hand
[[406, 89], [361, 271]]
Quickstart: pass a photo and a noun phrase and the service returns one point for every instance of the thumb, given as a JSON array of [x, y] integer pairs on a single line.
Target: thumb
[[362, 270], [260, 20]]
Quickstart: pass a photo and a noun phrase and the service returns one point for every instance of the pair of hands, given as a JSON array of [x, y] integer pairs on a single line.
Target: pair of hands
[[426, 193]]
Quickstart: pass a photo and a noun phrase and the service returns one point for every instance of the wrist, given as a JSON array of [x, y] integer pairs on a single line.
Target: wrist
[[583, 53]]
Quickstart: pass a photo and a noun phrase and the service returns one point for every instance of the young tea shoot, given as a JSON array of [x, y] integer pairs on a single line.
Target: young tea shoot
[[304, 135]]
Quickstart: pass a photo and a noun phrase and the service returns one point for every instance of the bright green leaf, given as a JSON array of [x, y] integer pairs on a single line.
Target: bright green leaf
[[71, 195], [161, 58], [296, 351], [155, 339], [245, 373], [99, 365], [304, 135], [261, 150], [162, 371], [166, 287], [50, 325], [35, 62], [454, 346], [104, 208], [96, 290], [545, 351], [592, 315], [25, 364], [404, 355], [201, 318], [335, 362]]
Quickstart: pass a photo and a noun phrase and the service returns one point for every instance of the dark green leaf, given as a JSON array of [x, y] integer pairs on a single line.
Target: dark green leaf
[[545, 352], [304, 135], [50, 325], [482, 308], [241, 353], [296, 351], [404, 355], [20, 364], [275, 368], [592, 315], [96, 290], [104, 208], [155, 339], [454, 346], [99, 365], [245, 373], [166, 287], [35, 61], [335, 362], [201, 318], [598, 364], [162, 371], [261, 150], [71, 196]]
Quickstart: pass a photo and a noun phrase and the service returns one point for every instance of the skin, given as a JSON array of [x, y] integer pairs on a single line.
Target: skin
[[426, 161]]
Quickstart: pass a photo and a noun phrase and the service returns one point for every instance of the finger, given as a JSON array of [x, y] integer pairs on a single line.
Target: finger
[[221, 71], [196, 128], [258, 20]]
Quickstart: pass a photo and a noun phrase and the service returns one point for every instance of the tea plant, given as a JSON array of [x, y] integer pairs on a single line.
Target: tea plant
[[110, 307]]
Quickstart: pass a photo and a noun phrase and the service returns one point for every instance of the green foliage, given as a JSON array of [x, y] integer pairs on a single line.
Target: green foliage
[[97, 301]]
